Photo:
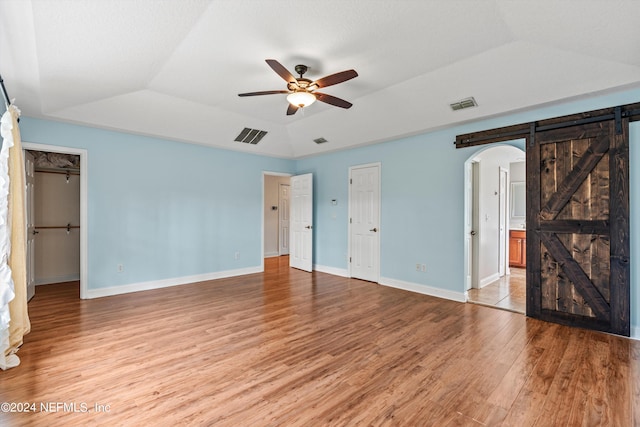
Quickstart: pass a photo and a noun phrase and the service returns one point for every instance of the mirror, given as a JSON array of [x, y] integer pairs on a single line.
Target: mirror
[[518, 200]]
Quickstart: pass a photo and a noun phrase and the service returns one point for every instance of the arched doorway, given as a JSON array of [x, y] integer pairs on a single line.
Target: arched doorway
[[493, 176]]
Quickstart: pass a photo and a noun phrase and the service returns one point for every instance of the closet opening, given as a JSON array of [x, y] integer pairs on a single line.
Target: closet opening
[[55, 208]]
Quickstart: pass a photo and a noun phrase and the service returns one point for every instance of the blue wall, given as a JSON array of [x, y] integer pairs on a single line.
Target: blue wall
[[163, 209], [166, 209], [422, 199]]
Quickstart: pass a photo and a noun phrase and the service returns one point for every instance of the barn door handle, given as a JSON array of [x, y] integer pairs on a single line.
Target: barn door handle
[[374, 229]]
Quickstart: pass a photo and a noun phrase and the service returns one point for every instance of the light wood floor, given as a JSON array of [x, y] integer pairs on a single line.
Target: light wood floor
[[508, 293], [297, 349]]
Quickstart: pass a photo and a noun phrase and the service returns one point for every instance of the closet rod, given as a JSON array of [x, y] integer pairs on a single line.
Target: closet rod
[[61, 172], [66, 227]]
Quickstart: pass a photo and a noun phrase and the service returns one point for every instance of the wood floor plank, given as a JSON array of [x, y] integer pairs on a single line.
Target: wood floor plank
[[286, 347]]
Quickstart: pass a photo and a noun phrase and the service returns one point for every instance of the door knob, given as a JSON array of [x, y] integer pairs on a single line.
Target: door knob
[[34, 232], [473, 233], [308, 227], [374, 230]]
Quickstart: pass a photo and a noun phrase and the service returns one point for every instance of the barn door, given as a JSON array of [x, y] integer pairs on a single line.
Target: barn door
[[578, 226]]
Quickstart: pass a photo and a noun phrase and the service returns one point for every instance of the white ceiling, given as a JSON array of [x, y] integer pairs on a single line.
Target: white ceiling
[[173, 68]]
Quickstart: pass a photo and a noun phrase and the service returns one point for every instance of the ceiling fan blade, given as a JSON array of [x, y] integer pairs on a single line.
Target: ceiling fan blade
[[336, 78], [332, 100], [264, 92], [282, 72], [291, 109]]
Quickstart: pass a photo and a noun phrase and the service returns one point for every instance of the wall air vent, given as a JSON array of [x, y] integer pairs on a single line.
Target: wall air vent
[[465, 103], [320, 140], [250, 136]]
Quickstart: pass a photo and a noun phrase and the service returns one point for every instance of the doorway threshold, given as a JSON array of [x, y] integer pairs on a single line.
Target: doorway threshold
[[507, 293], [499, 307]]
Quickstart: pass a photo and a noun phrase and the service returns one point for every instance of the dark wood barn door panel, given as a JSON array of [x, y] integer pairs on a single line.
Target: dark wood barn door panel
[[578, 226]]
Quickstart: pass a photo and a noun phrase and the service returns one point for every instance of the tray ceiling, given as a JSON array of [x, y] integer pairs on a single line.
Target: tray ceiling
[[173, 69]]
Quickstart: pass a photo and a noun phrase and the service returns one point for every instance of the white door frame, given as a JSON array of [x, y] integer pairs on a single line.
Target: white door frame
[[349, 254], [265, 173], [30, 178], [84, 173]]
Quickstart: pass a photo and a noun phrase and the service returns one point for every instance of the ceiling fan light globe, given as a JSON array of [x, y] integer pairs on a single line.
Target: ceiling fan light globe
[[301, 99]]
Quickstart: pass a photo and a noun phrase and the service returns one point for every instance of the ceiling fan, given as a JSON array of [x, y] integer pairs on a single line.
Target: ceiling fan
[[301, 91]]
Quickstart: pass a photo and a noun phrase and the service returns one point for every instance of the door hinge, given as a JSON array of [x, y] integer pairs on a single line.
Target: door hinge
[[350, 181], [349, 259]]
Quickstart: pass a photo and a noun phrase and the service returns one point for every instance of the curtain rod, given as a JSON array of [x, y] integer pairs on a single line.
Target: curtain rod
[[7, 100]]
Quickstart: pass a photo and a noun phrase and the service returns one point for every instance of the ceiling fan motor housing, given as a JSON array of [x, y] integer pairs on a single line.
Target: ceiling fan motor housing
[[302, 84]]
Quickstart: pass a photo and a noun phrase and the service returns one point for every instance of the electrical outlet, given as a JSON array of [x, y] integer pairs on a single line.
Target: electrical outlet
[[237, 255], [120, 268], [418, 267], [423, 268]]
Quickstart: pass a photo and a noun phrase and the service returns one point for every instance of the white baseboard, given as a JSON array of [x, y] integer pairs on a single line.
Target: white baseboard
[[58, 279], [342, 272], [271, 254], [489, 279], [165, 283], [424, 289]]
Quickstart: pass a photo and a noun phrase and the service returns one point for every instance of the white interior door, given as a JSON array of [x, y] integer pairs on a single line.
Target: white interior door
[[301, 222], [30, 180], [283, 216], [475, 225], [364, 206], [469, 232], [502, 226]]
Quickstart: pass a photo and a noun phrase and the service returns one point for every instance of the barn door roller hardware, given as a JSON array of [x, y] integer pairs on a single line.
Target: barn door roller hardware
[[523, 130]]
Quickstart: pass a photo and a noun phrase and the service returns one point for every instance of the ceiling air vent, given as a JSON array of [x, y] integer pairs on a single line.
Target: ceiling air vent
[[465, 103], [250, 136], [320, 140]]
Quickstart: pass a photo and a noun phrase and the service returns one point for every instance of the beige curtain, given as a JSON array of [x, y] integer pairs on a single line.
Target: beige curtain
[[19, 324]]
